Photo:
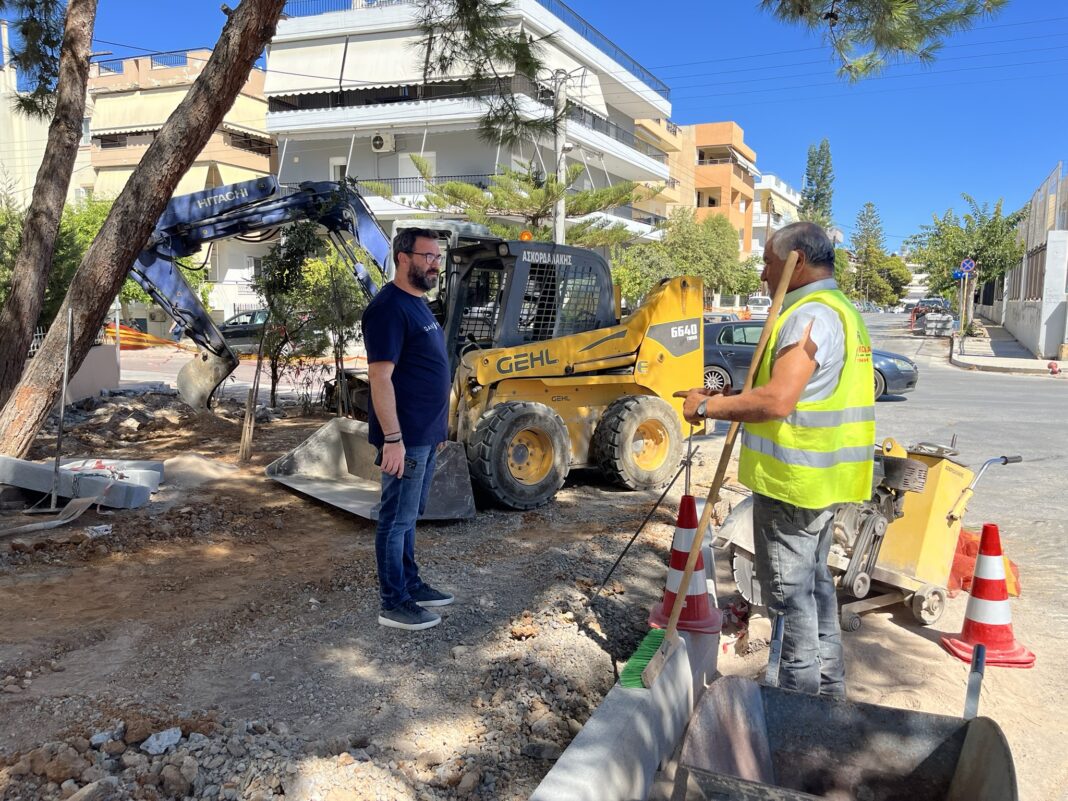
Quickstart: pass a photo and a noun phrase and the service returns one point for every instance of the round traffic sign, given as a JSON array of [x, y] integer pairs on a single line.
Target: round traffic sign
[[967, 265]]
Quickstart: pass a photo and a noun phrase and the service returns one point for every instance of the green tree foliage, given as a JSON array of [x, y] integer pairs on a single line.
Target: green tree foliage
[[843, 271], [477, 39], [986, 235], [38, 35], [518, 200], [869, 253], [10, 233], [707, 249], [818, 191], [867, 35]]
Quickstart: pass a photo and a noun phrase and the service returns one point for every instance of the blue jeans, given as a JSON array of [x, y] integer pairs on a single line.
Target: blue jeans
[[791, 545], [403, 501]]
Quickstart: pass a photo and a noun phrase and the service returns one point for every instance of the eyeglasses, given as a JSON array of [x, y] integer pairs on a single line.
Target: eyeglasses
[[431, 258]]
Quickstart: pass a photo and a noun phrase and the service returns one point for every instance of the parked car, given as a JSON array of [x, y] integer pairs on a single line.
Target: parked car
[[729, 348], [242, 331], [721, 317], [758, 306]]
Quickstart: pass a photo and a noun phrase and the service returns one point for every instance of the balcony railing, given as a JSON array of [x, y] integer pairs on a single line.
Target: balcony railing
[[672, 183], [418, 186], [600, 124], [636, 215], [310, 8]]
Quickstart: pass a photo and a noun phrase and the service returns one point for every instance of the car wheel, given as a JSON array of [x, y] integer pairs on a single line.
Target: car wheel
[[880, 385], [716, 378]]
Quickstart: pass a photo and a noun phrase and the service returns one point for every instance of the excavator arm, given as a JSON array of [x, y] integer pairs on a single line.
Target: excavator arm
[[260, 205]]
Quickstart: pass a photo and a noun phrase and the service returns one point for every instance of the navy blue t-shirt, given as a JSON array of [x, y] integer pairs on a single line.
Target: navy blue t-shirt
[[398, 327]]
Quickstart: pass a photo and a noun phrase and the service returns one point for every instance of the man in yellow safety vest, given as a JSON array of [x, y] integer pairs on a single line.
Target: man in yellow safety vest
[[807, 446]]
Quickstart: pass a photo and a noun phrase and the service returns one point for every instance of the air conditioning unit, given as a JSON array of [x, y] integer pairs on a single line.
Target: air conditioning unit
[[383, 143]]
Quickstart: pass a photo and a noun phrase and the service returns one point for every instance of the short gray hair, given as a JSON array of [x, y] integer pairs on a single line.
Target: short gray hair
[[808, 238]]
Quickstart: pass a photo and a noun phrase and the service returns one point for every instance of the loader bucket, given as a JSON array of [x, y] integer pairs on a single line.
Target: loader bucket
[[198, 379], [336, 465]]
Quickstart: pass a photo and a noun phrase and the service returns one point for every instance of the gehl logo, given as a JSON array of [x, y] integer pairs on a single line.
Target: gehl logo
[[525, 361], [222, 197]]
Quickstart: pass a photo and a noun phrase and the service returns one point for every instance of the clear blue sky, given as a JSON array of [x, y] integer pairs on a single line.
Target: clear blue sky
[[988, 118]]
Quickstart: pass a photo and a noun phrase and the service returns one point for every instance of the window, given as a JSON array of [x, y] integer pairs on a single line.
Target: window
[[339, 168], [240, 319], [255, 264], [87, 138], [109, 141], [740, 335], [259, 317], [249, 143]]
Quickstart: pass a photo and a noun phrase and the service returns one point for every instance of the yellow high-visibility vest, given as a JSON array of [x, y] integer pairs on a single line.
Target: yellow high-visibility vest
[[821, 454]]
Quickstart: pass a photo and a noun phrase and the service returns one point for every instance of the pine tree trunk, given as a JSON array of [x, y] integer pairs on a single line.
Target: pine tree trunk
[[34, 261], [133, 216]]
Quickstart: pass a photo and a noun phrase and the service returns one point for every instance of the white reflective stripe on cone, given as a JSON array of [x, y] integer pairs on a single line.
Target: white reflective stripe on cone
[[992, 613], [683, 539], [990, 567], [697, 582]]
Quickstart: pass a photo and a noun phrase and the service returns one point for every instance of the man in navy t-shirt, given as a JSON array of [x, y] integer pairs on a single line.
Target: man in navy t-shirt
[[408, 419]]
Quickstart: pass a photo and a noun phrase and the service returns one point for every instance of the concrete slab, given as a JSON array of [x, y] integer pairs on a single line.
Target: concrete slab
[[34, 476], [617, 753], [148, 473]]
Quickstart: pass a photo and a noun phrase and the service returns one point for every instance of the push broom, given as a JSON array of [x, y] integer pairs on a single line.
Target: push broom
[[643, 668]]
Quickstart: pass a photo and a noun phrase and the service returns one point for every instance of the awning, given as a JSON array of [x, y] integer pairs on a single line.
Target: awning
[[383, 60], [296, 68], [248, 115], [195, 180], [109, 182], [230, 174], [125, 112]]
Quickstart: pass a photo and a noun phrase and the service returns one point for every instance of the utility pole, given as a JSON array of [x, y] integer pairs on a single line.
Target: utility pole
[[560, 114]]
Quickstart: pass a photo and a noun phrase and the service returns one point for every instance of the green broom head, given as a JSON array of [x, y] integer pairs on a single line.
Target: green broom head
[[631, 675]]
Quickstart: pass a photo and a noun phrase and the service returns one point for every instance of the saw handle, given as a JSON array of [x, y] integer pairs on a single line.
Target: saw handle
[[1011, 459], [728, 446]]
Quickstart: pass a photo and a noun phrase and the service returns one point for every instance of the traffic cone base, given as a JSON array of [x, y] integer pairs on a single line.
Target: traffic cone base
[[988, 620], [698, 615]]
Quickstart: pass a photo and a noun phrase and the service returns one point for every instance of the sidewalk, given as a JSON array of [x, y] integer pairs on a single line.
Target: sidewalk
[[1001, 353]]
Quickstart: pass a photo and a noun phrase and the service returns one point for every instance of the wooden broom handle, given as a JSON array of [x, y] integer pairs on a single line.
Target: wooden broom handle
[[728, 445]]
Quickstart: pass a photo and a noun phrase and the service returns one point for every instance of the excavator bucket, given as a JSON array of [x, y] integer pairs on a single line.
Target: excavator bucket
[[336, 465], [198, 379]]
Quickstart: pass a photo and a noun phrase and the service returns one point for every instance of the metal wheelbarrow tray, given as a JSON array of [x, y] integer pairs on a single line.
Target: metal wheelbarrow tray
[[748, 742]]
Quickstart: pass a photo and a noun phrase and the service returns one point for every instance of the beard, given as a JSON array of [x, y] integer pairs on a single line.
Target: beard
[[422, 279]]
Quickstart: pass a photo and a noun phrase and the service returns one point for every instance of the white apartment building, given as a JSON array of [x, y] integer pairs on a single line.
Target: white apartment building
[[344, 86], [784, 201], [23, 139]]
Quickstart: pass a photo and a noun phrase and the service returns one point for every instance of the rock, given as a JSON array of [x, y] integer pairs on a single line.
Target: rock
[[538, 749], [68, 788], [92, 774], [254, 677], [21, 768], [14, 689], [39, 757], [189, 769], [161, 741], [113, 747], [55, 667], [79, 744], [135, 760], [459, 650], [469, 782], [102, 790], [280, 728], [345, 759], [22, 546], [449, 774], [136, 731], [173, 782], [574, 727], [197, 741], [256, 727], [235, 748], [129, 424], [429, 759], [66, 764]]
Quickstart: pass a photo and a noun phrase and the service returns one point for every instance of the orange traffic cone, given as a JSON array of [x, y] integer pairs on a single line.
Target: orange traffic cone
[[987, 620], [697, 614]]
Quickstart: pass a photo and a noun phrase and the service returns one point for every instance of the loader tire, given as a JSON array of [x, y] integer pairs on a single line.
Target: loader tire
[[519, 454], [638, 444]]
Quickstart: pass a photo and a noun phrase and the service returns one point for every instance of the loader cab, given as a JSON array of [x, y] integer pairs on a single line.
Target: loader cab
[[508, 293]]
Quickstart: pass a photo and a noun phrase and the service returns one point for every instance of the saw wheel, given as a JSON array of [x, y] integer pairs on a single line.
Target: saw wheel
[[744, 571]]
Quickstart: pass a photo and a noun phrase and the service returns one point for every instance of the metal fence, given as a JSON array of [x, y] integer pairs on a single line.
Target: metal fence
[[1049, 209], [418, 186], [40, 332]]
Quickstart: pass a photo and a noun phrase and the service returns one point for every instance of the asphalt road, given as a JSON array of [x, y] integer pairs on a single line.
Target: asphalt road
[[994, 414]]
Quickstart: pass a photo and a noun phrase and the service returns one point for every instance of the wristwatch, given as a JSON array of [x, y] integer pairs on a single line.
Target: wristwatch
[[702, 408]]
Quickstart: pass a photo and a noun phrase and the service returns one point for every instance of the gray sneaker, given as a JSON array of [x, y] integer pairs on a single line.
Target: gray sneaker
[[428, 596], [408, 616]]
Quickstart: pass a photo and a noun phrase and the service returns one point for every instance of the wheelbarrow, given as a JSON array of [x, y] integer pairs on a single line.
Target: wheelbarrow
[[752, 742]]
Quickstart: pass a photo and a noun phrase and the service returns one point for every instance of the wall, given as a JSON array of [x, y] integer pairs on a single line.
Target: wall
[[99, 370], [1041, 325]]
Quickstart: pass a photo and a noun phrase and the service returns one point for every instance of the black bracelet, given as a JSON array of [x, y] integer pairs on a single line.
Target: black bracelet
[[393, 441]]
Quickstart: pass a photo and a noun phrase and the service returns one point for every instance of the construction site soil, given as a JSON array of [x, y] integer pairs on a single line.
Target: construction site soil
[[245, 617]]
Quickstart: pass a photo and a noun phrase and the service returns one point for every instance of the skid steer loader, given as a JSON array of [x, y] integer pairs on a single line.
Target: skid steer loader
[[546, 378]]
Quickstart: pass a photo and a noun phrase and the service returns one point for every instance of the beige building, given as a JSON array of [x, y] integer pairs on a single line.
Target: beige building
[[131, 99], [23, 139]]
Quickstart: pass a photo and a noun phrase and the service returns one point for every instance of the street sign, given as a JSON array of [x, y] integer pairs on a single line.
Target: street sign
[[967, 266], [957, 275]]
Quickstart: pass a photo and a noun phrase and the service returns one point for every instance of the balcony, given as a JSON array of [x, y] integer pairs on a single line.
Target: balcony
[[418, 186], [724, 174], [309, 8], [663, 132]]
